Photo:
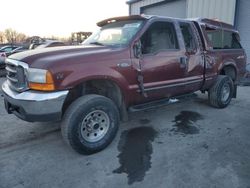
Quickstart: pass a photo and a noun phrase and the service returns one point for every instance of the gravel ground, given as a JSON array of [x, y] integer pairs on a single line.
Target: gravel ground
[[188, 144]]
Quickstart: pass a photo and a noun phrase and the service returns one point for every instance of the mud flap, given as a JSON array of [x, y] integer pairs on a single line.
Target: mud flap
[[235, 91]]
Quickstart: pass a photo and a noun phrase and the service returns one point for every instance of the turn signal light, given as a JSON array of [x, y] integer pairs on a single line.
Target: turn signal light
[[48, 86], [41, 87]]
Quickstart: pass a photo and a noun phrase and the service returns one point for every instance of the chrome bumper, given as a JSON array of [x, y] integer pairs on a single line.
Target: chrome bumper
[[34, 105]]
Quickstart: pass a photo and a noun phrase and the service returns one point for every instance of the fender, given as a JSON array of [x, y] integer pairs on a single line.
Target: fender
[[85, 73], [227, 62]]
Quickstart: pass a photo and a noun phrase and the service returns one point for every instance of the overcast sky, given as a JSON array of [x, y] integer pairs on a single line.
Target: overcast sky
[[57, 17]]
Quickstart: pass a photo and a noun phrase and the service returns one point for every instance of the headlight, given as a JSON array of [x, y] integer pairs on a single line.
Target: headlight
[[40, 79]]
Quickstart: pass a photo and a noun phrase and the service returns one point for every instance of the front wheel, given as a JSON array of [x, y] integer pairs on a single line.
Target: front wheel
[[221, 93], [90, 123]]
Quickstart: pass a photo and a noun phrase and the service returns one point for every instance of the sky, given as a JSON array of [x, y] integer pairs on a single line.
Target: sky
[[59, 18]]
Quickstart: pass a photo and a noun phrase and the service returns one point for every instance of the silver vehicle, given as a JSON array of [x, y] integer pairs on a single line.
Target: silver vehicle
[[3, 54]]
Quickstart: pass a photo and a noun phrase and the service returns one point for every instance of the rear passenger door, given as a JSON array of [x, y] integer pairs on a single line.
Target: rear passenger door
[[194, 56]]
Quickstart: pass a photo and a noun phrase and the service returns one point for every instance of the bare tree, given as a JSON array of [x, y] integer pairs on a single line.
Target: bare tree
[[2, 38], [12, 36], [21, 38]]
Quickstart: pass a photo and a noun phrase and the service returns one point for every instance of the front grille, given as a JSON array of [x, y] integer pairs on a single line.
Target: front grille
[[16, 75]]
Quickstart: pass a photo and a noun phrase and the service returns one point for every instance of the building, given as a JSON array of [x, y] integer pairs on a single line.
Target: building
[[235, 12]]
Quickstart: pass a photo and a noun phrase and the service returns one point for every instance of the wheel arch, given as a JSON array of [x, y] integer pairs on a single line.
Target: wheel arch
[[229, 69], [104, 86]]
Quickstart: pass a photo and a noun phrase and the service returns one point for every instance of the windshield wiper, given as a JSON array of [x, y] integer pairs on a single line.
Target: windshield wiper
[[97, 43]]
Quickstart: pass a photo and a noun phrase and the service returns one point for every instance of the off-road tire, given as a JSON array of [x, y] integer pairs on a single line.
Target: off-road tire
[[73, 121], [215, 93]]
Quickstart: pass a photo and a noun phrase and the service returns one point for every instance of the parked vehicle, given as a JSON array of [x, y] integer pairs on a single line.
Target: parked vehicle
[[3, 54], [16, 50], [131, 63], [46, 44], [2, 60], [8, 48]]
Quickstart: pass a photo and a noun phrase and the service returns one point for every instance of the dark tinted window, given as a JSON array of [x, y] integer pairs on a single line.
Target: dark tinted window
[[215, 38], [188, 37], [231, 40], [223, 39], [159, 36]]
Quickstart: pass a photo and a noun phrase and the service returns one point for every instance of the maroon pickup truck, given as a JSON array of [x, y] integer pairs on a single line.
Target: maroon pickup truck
[[131, 63]]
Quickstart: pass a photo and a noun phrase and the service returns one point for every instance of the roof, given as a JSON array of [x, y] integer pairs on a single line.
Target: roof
[[209, 22], [132, 1], [213, 23]]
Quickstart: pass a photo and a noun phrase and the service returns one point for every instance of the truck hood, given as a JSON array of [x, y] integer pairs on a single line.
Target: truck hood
[[43, 58]]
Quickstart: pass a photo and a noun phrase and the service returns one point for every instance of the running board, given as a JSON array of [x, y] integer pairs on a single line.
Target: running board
[[161, 103]]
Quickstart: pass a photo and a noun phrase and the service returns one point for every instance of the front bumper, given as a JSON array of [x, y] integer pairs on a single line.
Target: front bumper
[[34, 105]]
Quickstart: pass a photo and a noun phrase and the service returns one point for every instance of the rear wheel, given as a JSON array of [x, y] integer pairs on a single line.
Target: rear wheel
[[90, 123], [221, 93]]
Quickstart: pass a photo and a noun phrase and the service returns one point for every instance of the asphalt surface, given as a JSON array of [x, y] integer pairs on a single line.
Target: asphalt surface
[[188, 144]]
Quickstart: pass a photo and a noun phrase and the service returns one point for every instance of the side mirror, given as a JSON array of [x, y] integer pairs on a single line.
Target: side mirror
[[191, 51], [137, 48]]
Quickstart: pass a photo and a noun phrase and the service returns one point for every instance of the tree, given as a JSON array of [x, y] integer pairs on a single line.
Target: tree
[[21, 38], [2, 38], [12, 36]]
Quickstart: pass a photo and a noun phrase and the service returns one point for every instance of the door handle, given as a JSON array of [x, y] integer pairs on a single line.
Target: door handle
[[183, 62]]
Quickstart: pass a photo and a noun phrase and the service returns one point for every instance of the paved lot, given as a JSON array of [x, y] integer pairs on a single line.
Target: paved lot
[[185, 144]]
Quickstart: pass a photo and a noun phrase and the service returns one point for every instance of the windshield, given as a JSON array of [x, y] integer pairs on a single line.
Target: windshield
[[117, 33]]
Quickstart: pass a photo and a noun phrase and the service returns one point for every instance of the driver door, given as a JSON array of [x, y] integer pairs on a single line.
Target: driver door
[[163, 64]]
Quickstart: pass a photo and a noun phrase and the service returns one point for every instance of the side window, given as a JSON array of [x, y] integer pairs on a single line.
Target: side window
[[223, 39], [215, 38], [230, 40], [8, 49], [159, 36], [188, 37], [236, 41]]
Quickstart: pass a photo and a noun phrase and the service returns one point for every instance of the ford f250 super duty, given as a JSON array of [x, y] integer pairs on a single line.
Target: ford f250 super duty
[[130, 62]]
